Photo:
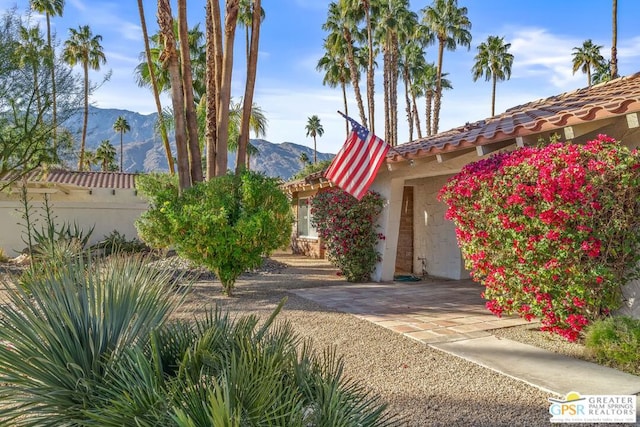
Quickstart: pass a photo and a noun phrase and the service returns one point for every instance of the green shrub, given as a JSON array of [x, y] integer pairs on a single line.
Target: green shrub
[[225, 224], [116, 243], [311, 168], [615, 341], [348, 228], [153, 226]]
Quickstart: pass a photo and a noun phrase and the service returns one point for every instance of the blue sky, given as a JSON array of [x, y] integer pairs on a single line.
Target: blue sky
[[289, 89]]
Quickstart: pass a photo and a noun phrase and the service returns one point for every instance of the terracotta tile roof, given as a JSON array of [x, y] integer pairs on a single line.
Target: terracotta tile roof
[[313, 181], [615, 98], [114, 180]]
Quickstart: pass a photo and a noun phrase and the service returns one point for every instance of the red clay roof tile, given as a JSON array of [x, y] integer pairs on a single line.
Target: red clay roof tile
[[116, 180], [614, 98]]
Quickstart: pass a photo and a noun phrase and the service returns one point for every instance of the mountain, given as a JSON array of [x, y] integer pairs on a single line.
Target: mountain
[[144, 151]]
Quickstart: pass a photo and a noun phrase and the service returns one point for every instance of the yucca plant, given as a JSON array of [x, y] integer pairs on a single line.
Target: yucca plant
[[93, 346], [64, 337], [219, 371]]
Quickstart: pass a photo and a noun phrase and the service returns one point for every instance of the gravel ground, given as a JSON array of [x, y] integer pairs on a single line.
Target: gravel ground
[[423, 386]]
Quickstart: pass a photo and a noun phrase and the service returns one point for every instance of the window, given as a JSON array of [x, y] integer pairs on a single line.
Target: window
[[305, 229]]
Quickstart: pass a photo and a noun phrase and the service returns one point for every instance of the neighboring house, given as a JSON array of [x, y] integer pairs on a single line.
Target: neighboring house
[[417, 237], [107, 201]]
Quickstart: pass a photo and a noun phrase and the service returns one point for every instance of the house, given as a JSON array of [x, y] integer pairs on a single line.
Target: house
[[304, 237], [418, 238], [107, 201]]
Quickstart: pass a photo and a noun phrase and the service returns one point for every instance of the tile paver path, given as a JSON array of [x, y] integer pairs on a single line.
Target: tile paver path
[[430, 311]]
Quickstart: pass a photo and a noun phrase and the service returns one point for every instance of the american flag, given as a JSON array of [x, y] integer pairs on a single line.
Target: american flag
[[355, 166]]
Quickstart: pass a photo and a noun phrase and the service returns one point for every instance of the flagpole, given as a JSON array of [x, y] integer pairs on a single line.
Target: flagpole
[[390, 147]]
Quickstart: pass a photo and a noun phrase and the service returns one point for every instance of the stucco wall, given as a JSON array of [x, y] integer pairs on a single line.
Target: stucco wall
[[100, 208], [631, 297], [435, 237]]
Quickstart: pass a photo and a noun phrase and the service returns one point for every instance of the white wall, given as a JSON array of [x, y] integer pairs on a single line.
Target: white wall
[[100, 208], [434, 236]]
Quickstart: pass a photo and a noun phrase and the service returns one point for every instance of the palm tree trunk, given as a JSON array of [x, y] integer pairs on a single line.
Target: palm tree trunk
[[230, 22], [407, 101], [387, 107], [156, 95], [614, 40], [53, 87], [169, 57], [36, 92], [353, 68], [428, 112], [394, 90], [315, 150], [437, 102], [214, 42], [493, 95], [370, 71], [252, 67], [121, 152], [195, 158], [85, 117], [416, 116], [346, 106]]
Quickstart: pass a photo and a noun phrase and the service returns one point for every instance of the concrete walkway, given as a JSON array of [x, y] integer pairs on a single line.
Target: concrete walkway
[[450, 316]]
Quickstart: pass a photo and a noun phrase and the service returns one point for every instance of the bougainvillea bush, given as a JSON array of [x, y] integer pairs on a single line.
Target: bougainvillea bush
[[551, 232], [348, 228]]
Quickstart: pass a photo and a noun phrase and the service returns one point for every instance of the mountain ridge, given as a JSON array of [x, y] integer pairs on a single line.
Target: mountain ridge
[[144, 151]]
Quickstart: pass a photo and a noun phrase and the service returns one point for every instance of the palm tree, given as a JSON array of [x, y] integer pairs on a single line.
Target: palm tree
[[89, 159], [29, 50], [170, 54], [493, 61], [304, 159], [396, 26], [336, 69], [84, 48], [106, 155], [314, 128], [426, 84], [343, 32], [451, 28], [189, 103], [586, 58], [154, 88], [245, 19], [257, 123], [413, 63], [353, 12], [602, 73], [121, 126], [614, 40], [252, 69], [50, 8], [224, 50]]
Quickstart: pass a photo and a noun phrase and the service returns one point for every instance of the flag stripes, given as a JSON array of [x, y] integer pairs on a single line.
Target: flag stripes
[[355, 166]]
